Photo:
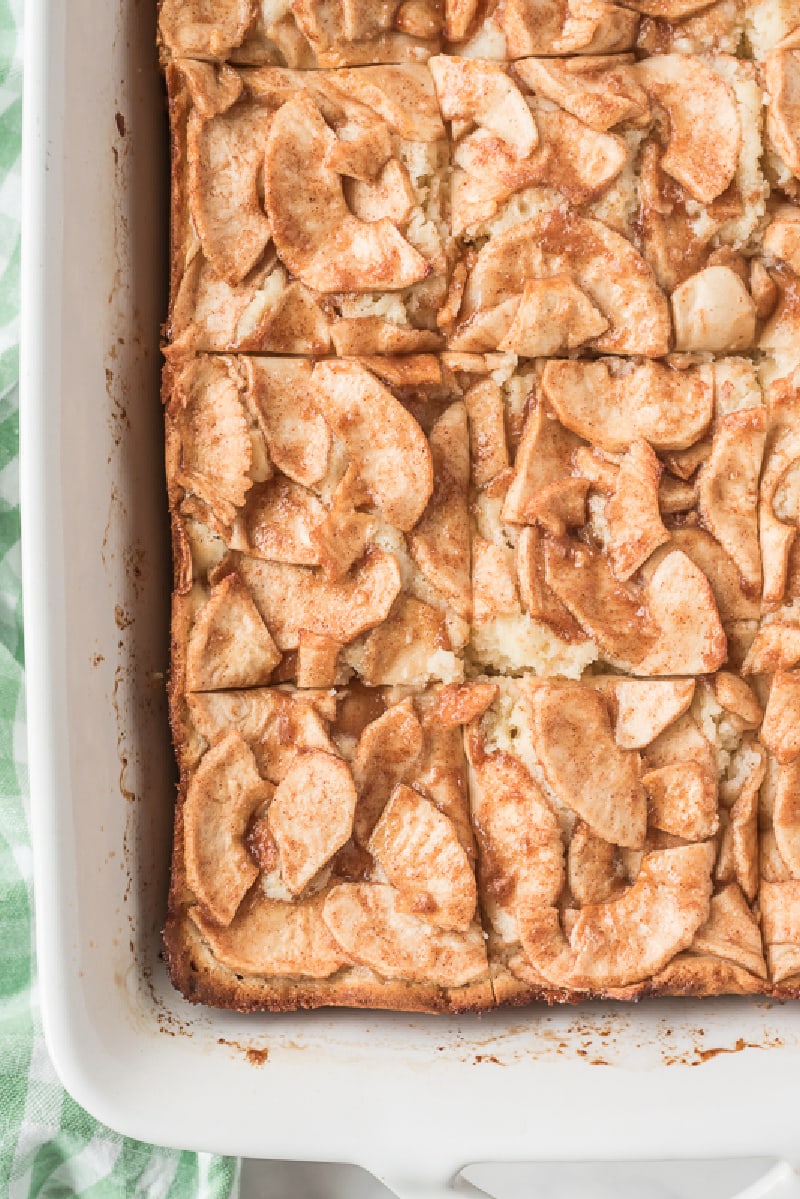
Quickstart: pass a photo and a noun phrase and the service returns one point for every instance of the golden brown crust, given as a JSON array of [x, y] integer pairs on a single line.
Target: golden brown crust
[[198, 976]]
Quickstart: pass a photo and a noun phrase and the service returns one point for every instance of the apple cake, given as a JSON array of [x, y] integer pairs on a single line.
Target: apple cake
[[308, 209], [482, 403]]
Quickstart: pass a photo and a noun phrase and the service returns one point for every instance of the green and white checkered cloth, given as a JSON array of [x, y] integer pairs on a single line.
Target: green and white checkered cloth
[[49, 1147]]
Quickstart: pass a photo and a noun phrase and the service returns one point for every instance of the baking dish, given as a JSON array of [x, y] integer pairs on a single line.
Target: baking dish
[[412, 1099]]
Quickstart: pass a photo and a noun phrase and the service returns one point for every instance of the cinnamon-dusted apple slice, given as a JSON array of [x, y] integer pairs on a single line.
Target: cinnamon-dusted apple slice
[[601, 262], [539, 600], [311, 815], [728, 489], [390, 194], [776, 646], [585, 767], [274, 724], [213, 87], [631, 938], [229, 645], [458, 703], [736, 697], [560, 506], [278, 523], [670, 626], [291, 597], [360, 151], [543, 458], [593, 871], [600, 469], [459, 15], [365, 920], [730, 596], [780, 923], [224, 157], [384, 440], [744, 827], [777, 535], [553, 316], [705, 132], [781, 238], [268, 937], [611, 403], [577, 161], [216, 452], [786, 815], [782, 77], [681, 603], [203, 30], [487, 433], [646, 707], [494, 587], [225, 791], [485, 328], [571, 159], [682, 800], [402, 96], [780, 731], [731, 932], [519, 837], [601, 92], [387, 751], [343, 535], [417, 848], [316, 235], [317, 660], [713, 311], [682, 741], [613, 614], [483, 92], [565, 27], [635, 527], [280, 394], [439, 543]]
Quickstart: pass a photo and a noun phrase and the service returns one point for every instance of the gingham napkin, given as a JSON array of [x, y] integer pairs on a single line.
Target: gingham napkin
[[49, 1147]]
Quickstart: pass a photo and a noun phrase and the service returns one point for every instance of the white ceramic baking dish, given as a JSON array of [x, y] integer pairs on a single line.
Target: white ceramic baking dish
[[412, 1099]]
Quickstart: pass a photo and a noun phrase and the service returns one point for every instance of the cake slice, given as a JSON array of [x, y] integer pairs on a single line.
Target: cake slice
[[603, 204], [616, 517], [299, 33], [324, 853], [617, 837], [308, 209], [321, 522]]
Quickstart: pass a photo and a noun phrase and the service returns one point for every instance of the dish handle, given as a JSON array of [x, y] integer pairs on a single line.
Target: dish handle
[[780, 1181]]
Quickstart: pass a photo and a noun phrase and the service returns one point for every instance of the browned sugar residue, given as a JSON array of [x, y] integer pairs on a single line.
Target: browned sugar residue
[[123, 619], [120, 120], [705, 1055], [487, 1057], [256, 1057]]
